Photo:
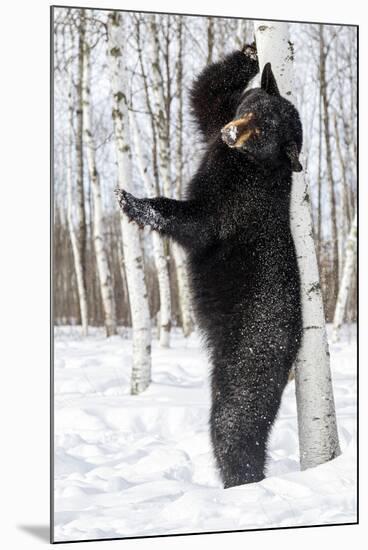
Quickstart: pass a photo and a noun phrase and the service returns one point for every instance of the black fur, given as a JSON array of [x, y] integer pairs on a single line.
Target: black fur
[[244, 276]]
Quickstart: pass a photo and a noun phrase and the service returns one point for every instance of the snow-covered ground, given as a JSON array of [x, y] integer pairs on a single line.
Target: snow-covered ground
[[142, 465]]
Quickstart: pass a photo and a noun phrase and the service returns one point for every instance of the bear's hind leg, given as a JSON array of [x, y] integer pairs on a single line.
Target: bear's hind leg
[[240, 425]]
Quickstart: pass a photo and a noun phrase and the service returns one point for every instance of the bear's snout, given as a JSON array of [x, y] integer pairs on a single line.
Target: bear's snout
[[238, 131], [229, 134]]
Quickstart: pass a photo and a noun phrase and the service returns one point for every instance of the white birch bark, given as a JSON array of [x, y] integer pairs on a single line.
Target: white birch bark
[[158, 109], [346, 281], [163, 138], [318, 437], [158, 247], [185, 302], [182, 278], [80, 203], [104, 273], [78, 266], [323, 81], [133, 257]]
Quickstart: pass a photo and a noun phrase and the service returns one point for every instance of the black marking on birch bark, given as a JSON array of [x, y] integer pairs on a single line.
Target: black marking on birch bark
[[119, 96], [115, 19], [117, 114], [115, 52], [167, 326], [291, 50], [315, 287], [125, 148], [306, 197]]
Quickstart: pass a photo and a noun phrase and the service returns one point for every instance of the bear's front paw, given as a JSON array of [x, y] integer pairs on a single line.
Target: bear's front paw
[[124, 199], [131, 206], [250, 50]]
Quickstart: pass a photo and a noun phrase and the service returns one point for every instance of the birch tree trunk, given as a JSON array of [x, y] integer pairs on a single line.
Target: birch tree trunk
[[158, 247], [330, 176], [153, 189], [76, 248], [104, 273], [185, 303], [345, 203], [345, 223], [159, 110], [161, 118], [210, 39], [319, 186], [82, 224], [178, 253], [318, 437], [133, 257], [346, 281]]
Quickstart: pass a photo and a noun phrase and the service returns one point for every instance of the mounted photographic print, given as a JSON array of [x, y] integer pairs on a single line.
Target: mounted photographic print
[[204, 274]]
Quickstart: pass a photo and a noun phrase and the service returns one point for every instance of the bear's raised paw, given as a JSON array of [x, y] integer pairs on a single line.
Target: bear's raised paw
[[250, 50]]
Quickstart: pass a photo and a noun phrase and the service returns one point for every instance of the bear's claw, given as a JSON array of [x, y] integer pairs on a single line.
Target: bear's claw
[[131, 206], [250, 50]]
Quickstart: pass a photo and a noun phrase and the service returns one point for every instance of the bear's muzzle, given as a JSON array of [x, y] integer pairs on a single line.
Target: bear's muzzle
[[237, 132]]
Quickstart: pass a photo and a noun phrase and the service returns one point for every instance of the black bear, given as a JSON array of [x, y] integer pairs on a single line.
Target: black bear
[[234, 226]]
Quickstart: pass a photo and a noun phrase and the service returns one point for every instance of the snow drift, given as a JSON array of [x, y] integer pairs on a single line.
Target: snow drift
[[142, 465]]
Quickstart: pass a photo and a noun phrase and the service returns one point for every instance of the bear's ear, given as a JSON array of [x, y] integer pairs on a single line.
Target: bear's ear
[[268, 81], [292, 154]]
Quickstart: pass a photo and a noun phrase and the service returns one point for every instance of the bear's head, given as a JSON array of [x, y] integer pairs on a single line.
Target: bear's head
[[266, 127]]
